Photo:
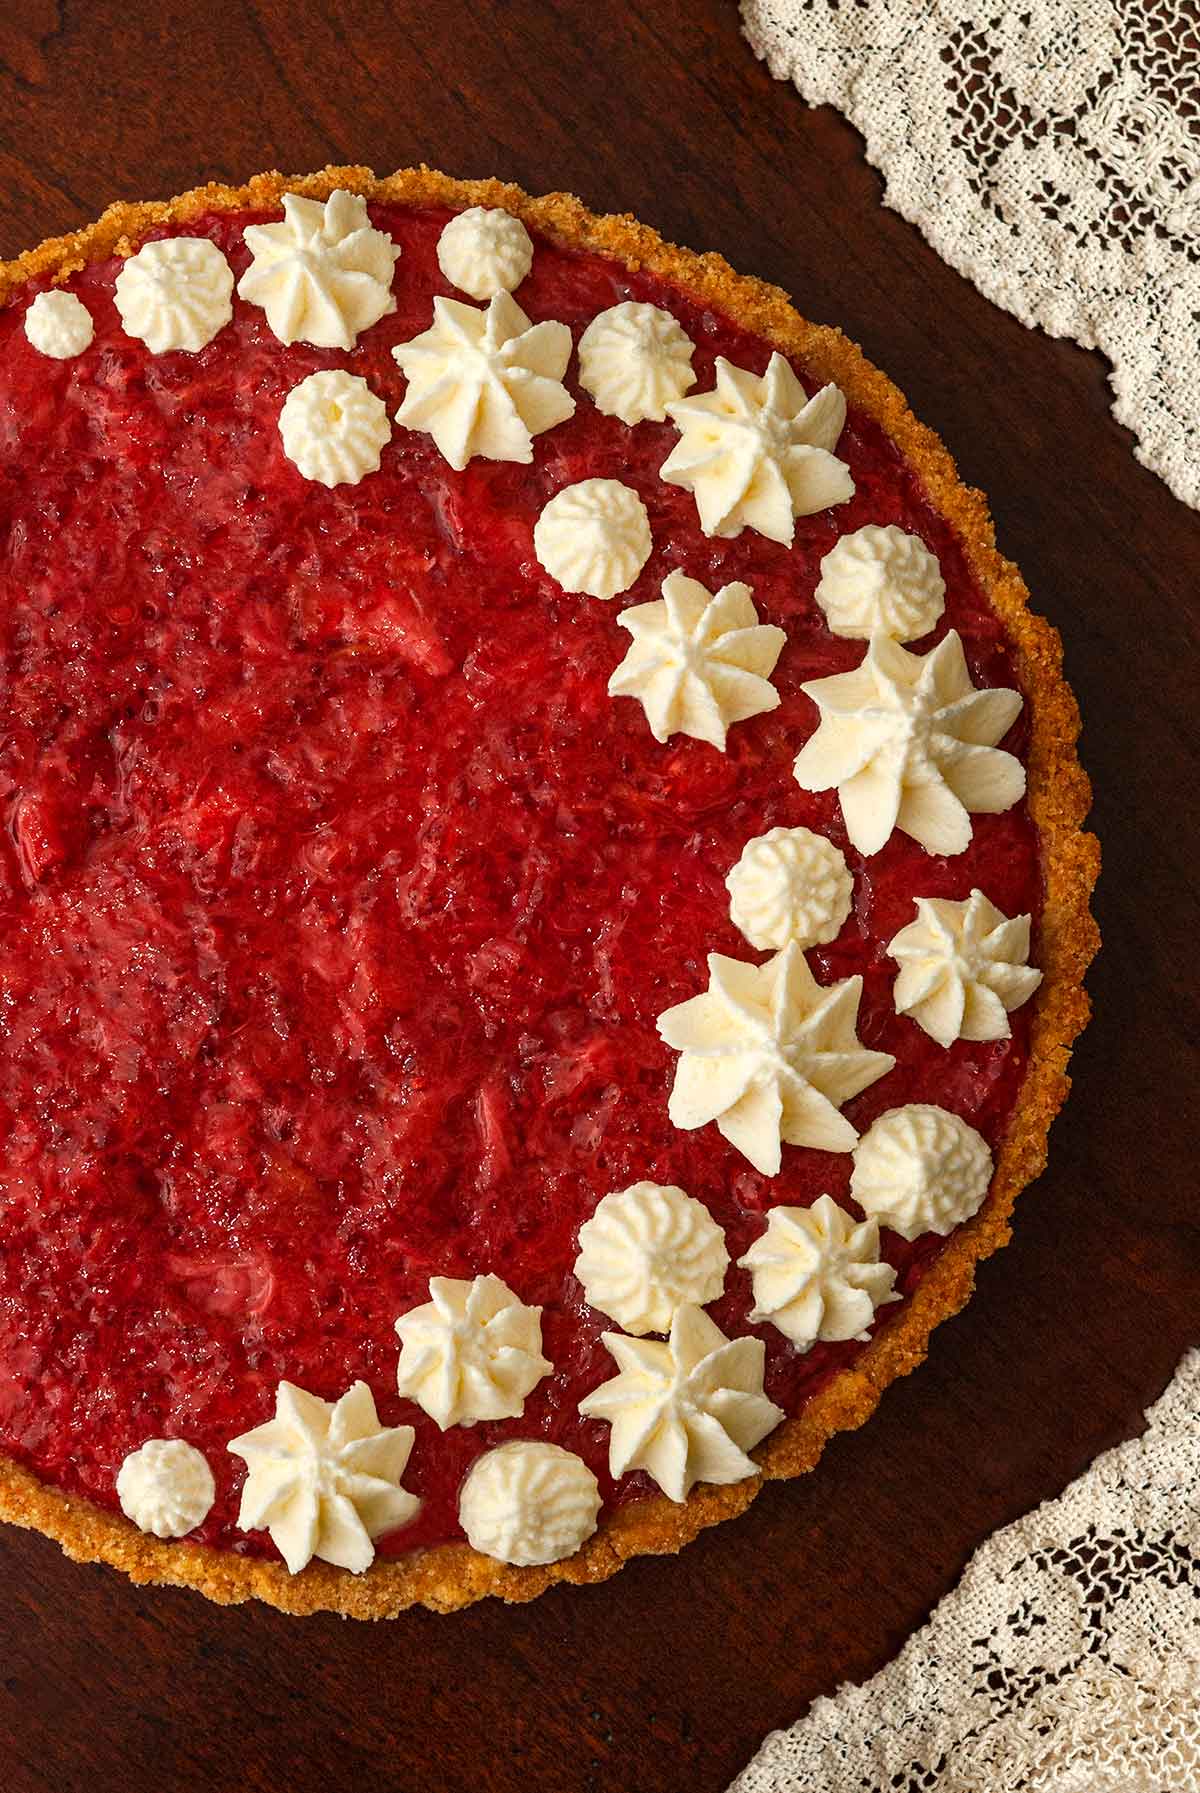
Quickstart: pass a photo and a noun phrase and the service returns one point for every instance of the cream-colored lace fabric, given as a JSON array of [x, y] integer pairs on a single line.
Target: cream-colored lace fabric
[[1067, 1660], [1050, 151]]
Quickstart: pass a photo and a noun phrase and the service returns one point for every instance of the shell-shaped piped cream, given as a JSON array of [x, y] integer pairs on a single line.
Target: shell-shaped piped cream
[[334, 428], [529, 1502], [166, 1487], [790, 885], [593, 537], [175, 293], [484, 251], [881, 581], [635, 360], [921, 1169], [645, 1251]]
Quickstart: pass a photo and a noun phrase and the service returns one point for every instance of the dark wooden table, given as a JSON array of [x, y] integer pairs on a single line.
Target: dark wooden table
[[668, 1677]]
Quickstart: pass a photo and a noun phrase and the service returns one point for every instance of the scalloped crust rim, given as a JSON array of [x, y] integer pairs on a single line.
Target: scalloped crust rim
[[451, 1576]]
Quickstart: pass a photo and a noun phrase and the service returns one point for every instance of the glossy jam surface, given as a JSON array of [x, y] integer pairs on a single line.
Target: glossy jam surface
[[339, 900]]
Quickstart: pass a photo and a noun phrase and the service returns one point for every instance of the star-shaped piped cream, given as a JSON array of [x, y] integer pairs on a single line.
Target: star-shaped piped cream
[[756, 451], [323, 273], [472, 1352], [963, 967], [687, 1410], [698, 663], [485, 381], [771, 1056], [817, 1273], [910, 743], [323, 1477]]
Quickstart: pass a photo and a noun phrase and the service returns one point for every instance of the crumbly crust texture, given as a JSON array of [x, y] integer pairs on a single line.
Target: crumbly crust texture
[[451, 1576]]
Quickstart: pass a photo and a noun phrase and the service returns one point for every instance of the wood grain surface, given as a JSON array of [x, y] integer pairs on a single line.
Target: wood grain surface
[[668, 1677]]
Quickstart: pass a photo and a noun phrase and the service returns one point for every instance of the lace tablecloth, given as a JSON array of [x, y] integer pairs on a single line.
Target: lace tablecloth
[[1050, 151], [1067, 1660]]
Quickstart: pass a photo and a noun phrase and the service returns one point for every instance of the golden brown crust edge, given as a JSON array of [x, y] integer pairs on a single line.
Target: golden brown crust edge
[[453, 1576]]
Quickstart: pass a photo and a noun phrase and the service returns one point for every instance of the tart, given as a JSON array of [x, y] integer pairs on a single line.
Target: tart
[[545, 900]]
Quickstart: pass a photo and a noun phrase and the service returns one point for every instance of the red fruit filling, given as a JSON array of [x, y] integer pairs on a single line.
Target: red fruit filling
[[340, 900]]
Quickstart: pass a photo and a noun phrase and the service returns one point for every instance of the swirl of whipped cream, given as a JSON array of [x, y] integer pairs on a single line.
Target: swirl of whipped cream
[[333, 428], [963, 967], [166, 1487], [698, 663], [472, 1352], [485, 382], [645, 1251], [593, 537], [880, 581], [909, 743], [790, 885], [322, 274], [771, 1056], [817, 1275], [758, 452], [687, 1410], [175, 293], [920, 1169], [59, 325], [529, 1502], [485, 251], [634, 360], [323, 1477]]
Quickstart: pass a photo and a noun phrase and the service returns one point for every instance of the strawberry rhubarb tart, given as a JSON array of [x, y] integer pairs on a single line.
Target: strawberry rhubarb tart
[[544, 901]]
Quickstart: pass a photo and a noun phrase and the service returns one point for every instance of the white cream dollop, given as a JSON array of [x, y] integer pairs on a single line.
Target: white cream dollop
[[645, 1251], [963, 967], [910, 743], [757, 452], [485, 382], [790, 884], [485, 251], [59, 325], [323, 1477], [635, 360], [771, 1056], [817, 1273], [166, 1487], [593, 537], [323, 273], [529, 1502], [333, 428], [175, 293], [687, 1410], [920, 1169], [472, 1352], [698, 663], [881, 581]]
